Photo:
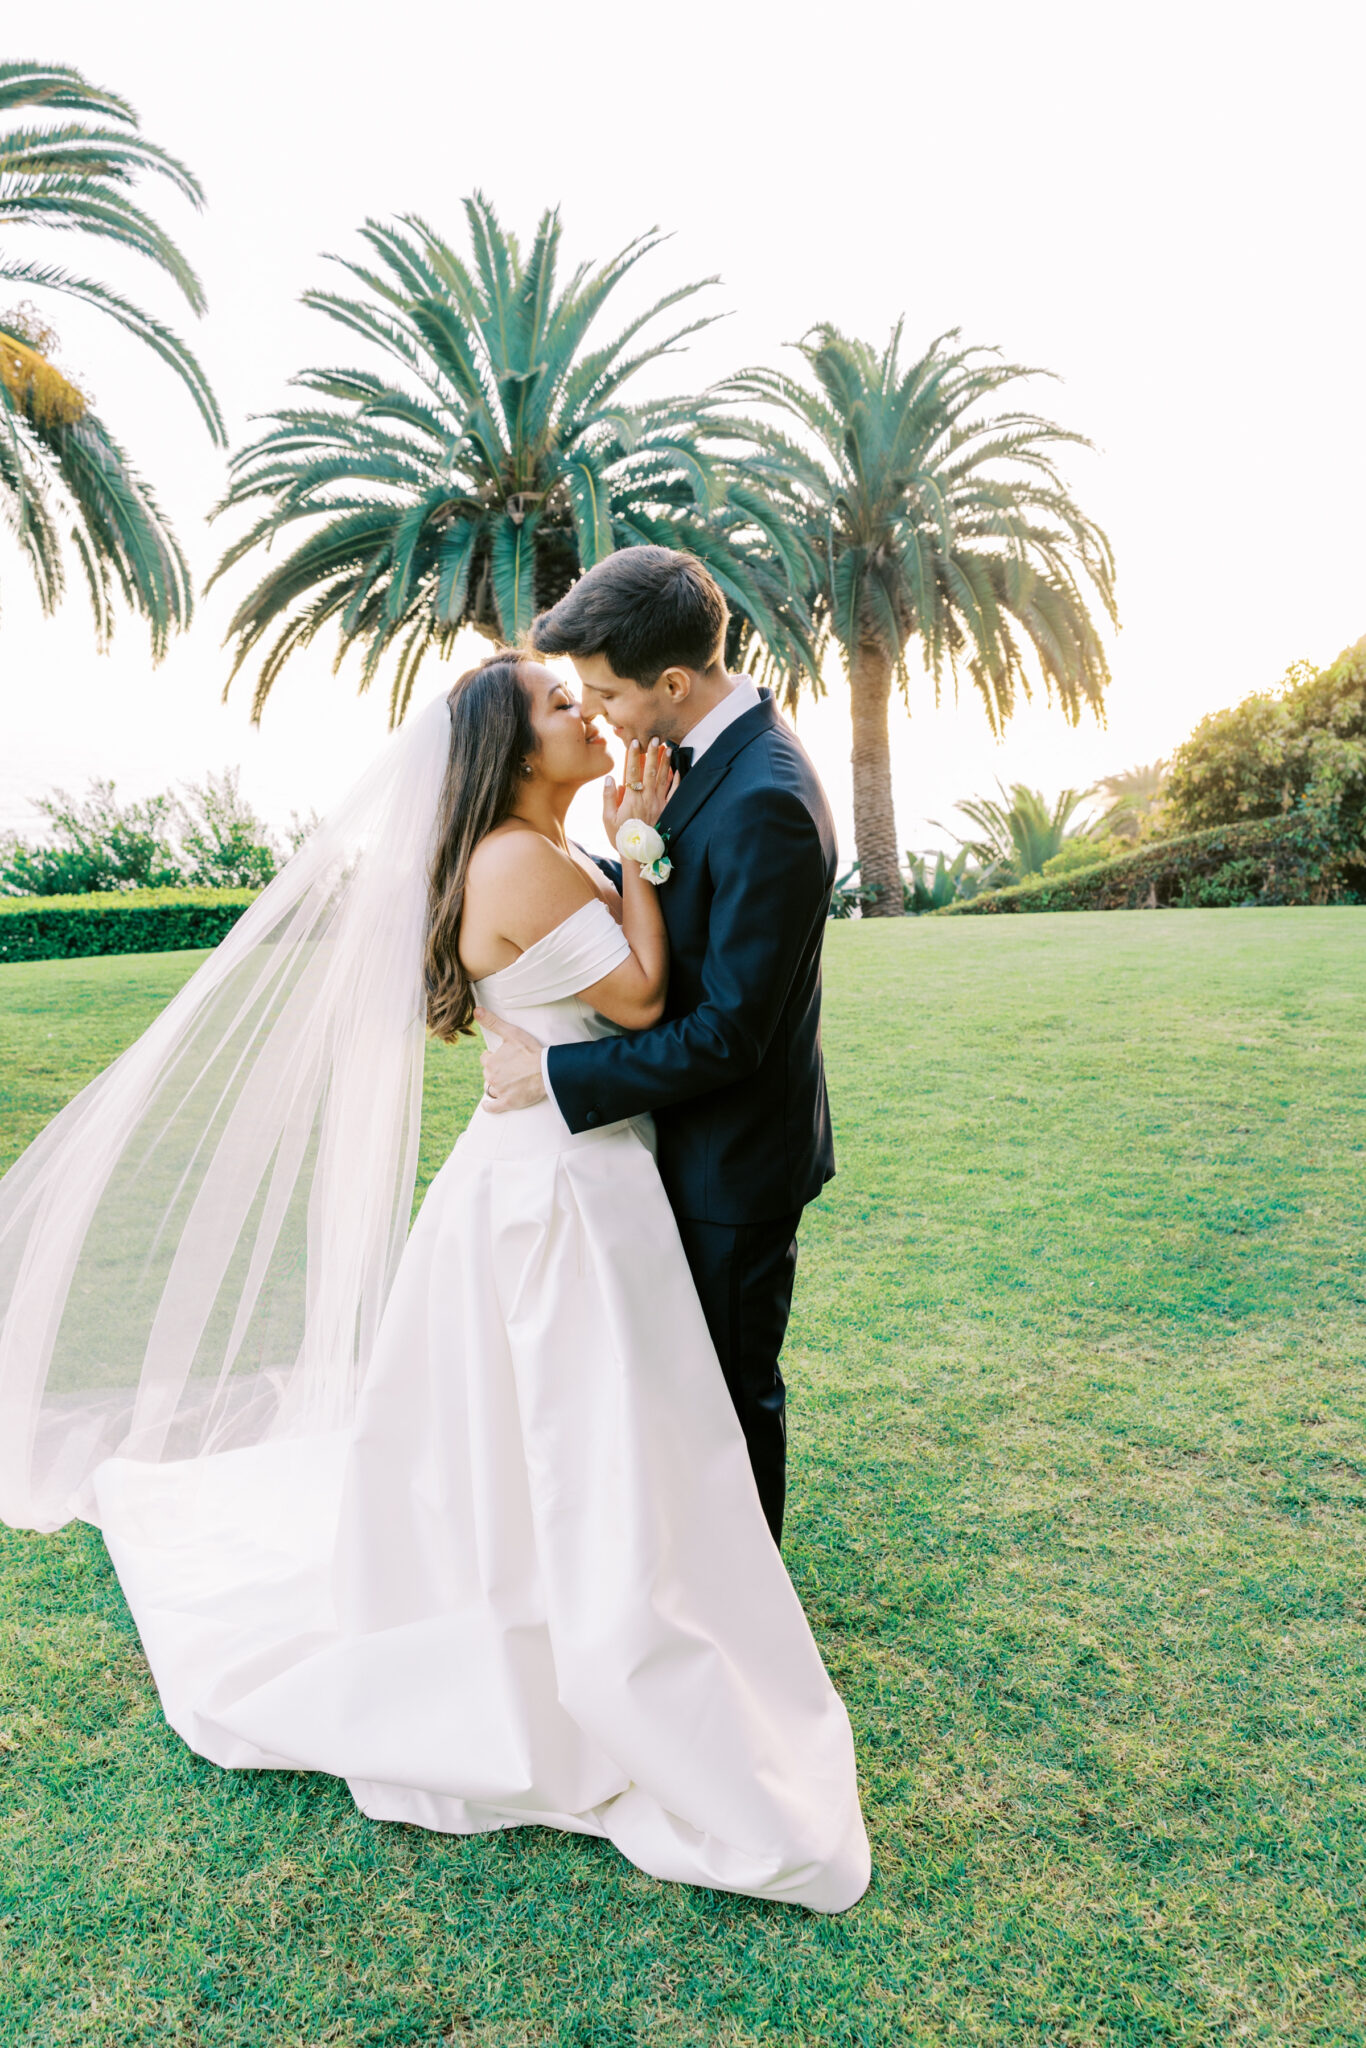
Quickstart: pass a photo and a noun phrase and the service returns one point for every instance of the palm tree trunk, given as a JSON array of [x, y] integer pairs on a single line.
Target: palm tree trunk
[[870, 685]]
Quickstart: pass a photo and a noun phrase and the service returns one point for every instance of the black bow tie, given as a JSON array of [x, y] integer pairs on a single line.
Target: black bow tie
[[680, 759]]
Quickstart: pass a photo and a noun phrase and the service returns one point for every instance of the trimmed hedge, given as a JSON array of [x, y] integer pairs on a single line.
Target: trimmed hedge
[[126, 921], [1259, 861]]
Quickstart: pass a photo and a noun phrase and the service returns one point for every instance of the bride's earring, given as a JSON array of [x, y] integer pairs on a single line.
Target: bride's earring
[[526, 767]]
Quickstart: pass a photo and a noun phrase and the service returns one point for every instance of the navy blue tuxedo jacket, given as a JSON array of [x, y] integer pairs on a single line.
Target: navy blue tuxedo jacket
[[733, 1074]]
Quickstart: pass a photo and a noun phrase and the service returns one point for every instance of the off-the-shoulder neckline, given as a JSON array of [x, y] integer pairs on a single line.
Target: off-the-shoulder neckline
[[530, 952]]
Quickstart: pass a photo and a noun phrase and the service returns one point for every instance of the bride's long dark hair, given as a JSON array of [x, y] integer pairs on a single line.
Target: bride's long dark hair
[[492, 739]]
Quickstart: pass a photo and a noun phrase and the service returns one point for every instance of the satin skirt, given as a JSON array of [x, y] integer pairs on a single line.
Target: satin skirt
[[532, 1584]]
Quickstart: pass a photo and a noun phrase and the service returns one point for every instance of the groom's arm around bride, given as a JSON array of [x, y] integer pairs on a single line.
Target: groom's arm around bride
[[733, 1074]]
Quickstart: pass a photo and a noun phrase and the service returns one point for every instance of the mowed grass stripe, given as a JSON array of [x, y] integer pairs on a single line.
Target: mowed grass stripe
[[1079, 1480]]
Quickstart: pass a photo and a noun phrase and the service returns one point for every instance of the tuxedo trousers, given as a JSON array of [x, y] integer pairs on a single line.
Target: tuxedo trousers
[[743, 1273]]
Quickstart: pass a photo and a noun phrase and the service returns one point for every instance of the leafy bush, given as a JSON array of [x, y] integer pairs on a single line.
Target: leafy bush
[[223, 844], [96, 844], [850, 897], [1081, 851], [1261, 861], [129, 921], [950, 881], [206, 837], [1298, 749], [1023, 832], [923, 888], [1266, 803]]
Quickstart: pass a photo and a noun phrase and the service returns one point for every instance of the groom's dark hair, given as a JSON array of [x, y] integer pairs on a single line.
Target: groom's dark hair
[[646, 609]]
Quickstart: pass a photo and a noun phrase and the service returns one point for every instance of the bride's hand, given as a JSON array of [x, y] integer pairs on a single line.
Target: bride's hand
[[648, 784]]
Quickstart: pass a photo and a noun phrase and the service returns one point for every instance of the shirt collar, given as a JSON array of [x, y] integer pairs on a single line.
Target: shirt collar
[[741, 699]]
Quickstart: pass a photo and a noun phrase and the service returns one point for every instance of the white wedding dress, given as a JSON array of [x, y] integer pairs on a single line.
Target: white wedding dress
[[532, 1582]]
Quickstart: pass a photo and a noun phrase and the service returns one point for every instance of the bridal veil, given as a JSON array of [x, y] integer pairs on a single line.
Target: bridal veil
[[195, 1253]]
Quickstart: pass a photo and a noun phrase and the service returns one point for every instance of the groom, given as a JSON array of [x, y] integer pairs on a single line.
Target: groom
[[733, 1074]]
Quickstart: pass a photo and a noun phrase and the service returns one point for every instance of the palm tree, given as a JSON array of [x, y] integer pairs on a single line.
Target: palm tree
[[60, 467], [1135, 797], [931, 520], [1023, 831], [488, 463]]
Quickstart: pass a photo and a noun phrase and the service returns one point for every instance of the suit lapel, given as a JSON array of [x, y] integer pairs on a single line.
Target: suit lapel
[[710, 772]]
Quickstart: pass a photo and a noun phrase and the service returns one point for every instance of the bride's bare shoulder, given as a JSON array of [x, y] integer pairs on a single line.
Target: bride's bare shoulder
[[521, 886], [519, 856]]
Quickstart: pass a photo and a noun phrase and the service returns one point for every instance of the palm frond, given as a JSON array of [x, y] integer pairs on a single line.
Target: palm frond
[[907, 472], [27, 84], [512, 564], [74, 475], [489, 461], [590, 499], [60, 468], [150, 331]]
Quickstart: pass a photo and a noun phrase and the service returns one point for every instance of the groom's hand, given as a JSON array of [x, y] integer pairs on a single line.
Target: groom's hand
[[512, 1070]]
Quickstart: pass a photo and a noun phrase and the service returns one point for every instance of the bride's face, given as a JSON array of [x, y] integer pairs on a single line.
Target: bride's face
[[571, 749]]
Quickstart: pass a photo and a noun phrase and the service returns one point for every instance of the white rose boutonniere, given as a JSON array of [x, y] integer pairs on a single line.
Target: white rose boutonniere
[[644, 844]]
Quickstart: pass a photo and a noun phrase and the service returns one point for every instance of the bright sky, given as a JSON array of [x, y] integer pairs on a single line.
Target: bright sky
[[1162, 204]]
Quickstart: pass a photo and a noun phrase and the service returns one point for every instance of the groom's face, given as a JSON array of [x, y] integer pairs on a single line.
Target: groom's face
[[634, 713]]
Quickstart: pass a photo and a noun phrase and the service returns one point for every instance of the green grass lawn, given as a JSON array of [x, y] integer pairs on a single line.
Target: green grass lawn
[[1079, 1479]]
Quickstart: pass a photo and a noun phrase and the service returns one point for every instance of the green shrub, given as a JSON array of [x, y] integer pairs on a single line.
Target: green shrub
[[207, 837], [1286, 860], [127, 921], [1077, 852], [925, 888], [1299, 748], [1022, 832], [849, 897]]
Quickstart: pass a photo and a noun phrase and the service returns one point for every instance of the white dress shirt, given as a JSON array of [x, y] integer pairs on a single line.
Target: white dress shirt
[[742, 698]]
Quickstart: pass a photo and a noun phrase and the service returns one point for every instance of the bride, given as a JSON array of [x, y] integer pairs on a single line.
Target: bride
[[467, 1520]]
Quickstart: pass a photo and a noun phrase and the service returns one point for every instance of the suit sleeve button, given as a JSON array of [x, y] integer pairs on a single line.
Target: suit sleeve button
[[591, 1118]]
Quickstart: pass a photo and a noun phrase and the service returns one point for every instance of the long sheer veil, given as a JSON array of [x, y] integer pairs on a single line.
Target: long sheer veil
[[195, 1253]]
